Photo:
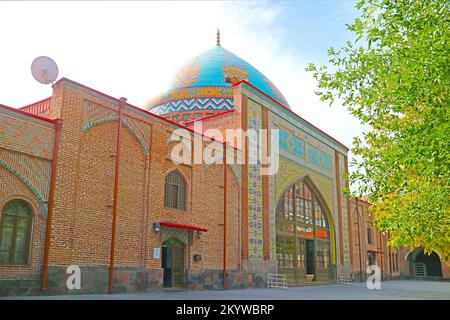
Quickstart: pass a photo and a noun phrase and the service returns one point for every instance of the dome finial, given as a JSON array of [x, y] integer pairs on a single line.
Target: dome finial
[[218, 37]]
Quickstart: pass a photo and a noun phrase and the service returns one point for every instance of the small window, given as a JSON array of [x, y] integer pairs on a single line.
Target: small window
[[15, 233], [175, 191], [394, 262], [369, 235], [371, 259]]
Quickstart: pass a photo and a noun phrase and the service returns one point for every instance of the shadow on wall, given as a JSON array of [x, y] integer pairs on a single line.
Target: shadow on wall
[[424, 265]]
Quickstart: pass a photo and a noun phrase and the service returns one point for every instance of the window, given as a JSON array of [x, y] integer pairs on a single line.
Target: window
[[322, 255], [369, 235], [301, 216], [396, 262], [15, 232], [285, 252], [175, 191], [371, 259], [301, 253], [394, 258]]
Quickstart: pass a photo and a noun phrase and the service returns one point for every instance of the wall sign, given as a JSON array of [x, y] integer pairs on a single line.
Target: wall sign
[[156, 253]]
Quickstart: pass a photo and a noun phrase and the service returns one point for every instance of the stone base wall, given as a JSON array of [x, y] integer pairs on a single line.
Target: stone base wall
[[213, 280], [94, 280]]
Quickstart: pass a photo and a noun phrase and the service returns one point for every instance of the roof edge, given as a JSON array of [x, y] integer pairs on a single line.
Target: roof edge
[[289, 110], [28, 114]]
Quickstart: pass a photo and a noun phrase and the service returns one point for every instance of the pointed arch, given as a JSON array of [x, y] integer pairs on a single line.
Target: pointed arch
[[306, 178], [305, 232], [175, 190], [34, 174]]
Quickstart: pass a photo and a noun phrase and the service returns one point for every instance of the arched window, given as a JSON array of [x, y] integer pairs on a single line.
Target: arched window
[[303, 232], [175, 191], [15, 232]]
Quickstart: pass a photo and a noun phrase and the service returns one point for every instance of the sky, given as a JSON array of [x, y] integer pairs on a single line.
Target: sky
[[133, 49]]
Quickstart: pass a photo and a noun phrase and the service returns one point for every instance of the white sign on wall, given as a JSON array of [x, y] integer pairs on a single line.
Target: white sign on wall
[[156, 253]]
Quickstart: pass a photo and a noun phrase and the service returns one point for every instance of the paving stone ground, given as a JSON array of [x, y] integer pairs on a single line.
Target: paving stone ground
[[390, 290]]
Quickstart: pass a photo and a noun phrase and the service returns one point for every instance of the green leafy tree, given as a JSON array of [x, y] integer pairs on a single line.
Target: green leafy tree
[[394, 77]]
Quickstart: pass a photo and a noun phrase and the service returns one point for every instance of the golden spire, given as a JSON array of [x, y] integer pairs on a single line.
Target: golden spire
[[218, 37]]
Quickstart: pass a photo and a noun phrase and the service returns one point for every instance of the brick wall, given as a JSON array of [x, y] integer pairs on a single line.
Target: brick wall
[[26, 150], [85, 185]]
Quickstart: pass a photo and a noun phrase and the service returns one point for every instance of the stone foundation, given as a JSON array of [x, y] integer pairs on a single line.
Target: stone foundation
[[94, 280]]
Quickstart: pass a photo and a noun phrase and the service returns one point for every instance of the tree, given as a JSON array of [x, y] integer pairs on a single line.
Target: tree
[[395, 78]]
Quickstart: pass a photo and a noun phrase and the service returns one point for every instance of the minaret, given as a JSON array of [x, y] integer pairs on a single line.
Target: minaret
[[218, 37]]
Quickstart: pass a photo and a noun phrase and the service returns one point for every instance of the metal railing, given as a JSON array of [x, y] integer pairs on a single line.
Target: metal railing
[[420, 270], [344, 278], [275, 280]]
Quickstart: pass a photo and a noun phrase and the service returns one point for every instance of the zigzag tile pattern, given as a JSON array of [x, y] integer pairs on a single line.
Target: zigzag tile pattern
[[194, 104], [34, 172], [22, 136]]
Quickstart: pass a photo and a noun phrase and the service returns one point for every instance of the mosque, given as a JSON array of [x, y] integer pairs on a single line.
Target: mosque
[[87, 180]]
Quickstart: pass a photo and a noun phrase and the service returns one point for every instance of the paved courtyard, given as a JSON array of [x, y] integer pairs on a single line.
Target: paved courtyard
[[390, 290]]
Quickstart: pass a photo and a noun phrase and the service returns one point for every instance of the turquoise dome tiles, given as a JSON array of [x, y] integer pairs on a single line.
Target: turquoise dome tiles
[[204, 83], [217, 66]]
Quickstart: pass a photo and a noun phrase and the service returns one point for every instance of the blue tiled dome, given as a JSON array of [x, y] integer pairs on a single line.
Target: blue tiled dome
[[208, 78]]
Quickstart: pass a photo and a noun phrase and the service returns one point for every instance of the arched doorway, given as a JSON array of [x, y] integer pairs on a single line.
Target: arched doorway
[[173, 263], [425, 265], [304, 235]]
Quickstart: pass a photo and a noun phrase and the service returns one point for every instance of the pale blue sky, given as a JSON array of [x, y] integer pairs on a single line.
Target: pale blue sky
[[312, 26]]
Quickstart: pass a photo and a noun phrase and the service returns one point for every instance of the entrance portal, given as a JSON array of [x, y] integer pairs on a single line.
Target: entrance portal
[[173, 263], [304, 235], [425, 265]]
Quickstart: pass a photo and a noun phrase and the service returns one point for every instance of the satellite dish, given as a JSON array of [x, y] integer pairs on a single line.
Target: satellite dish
[[44, 70]]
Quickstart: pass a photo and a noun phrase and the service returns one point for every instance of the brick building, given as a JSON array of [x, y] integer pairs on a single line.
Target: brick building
[[87, 179], [371, 247]]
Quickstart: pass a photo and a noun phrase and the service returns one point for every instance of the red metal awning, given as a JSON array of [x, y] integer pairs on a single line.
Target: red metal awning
[[181, 226]]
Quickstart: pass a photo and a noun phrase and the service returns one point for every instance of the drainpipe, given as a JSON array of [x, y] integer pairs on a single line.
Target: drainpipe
[[382, 254], [224, 215], [390, 259], [122, 104], [359, 242], [51, 200]]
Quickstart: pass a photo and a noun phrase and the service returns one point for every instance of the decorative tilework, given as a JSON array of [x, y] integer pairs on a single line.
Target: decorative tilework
[[217, 92], [34, 172], [94, 114], [193, 104], [22, 136], [187, 75], [214, 66], [140, 130], [234, 72], [180, 234], [289, 117], [289, 172], [319, 158], [255, 219], [345, 230], [272, 218], [292, 144]]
